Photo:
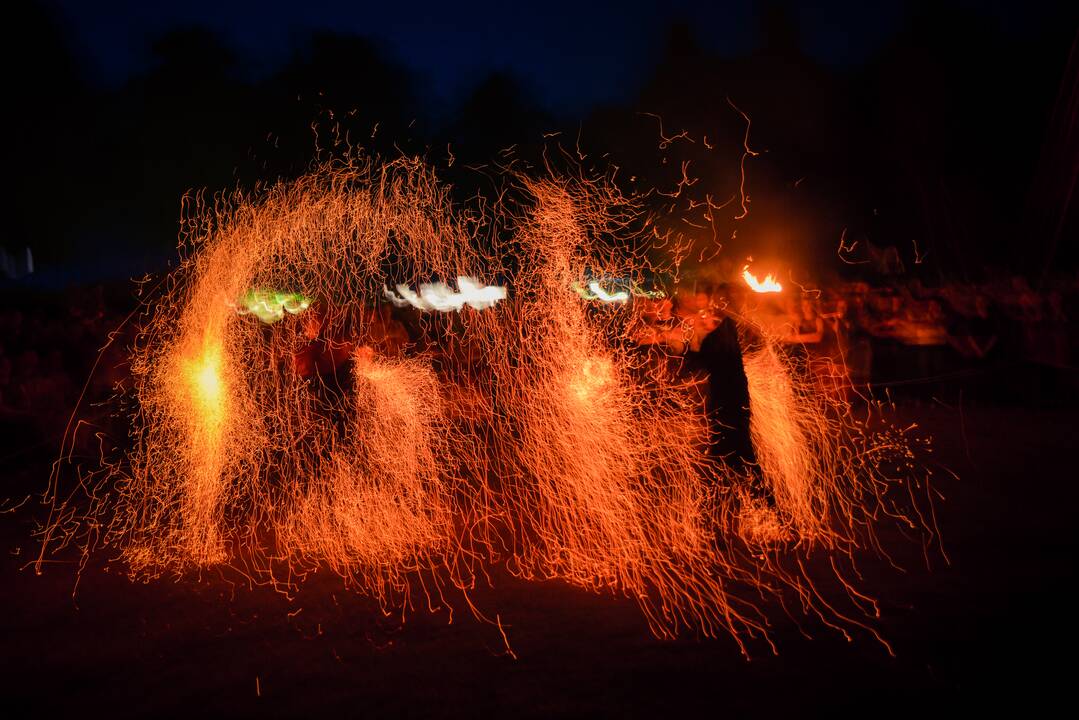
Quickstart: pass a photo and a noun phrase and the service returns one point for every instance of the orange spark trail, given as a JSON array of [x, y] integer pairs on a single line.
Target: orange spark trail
[[526, 427]]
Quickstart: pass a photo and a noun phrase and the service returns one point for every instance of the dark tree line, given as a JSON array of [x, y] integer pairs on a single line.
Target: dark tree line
[[954, 143]]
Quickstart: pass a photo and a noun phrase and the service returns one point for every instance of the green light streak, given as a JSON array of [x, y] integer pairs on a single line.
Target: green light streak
[[269, 306]]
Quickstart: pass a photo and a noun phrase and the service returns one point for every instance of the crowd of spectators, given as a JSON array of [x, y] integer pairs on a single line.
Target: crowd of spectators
[[1001, 340], [48, 346]]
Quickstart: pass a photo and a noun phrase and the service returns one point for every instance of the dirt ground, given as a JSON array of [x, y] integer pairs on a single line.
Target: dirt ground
[[991, 630]]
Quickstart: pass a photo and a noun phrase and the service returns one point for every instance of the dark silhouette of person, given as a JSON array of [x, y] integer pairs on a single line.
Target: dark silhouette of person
[[720, 356]]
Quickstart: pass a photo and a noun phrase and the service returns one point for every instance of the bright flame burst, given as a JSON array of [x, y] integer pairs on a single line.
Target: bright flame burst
[[440, 297], [585, 458], [768, 285]]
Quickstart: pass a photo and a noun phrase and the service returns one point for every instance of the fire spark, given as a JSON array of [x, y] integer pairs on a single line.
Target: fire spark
[[589, 464]]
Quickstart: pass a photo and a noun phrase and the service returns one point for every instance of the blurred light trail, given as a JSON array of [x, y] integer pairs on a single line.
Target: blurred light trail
[[269, 306], [441, 297]]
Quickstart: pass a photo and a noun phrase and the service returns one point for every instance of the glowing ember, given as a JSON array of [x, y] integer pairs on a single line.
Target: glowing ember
[[441, 297], [768, 285]]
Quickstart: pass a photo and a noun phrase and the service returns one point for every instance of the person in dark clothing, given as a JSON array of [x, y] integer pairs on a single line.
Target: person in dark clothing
[[720, 356], [707, 340], [714, 351]]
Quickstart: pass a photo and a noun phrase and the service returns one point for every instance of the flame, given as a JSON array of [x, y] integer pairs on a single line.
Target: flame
[[441, 297], [768, 285]]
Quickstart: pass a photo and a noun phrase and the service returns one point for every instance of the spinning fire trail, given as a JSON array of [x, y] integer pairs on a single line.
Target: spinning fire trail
[[277, 428]]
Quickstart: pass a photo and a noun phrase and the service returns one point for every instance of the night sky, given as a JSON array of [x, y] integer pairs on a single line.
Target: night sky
[[574, 54], [946, 122]]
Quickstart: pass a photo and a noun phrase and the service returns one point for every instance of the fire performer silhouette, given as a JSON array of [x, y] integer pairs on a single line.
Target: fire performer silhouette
[[719, 355], [708, 340]]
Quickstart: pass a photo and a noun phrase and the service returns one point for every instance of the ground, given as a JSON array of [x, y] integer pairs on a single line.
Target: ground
[[991, 630]]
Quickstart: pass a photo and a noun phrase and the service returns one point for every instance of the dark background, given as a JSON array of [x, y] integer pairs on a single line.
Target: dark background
[[944, 129]]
